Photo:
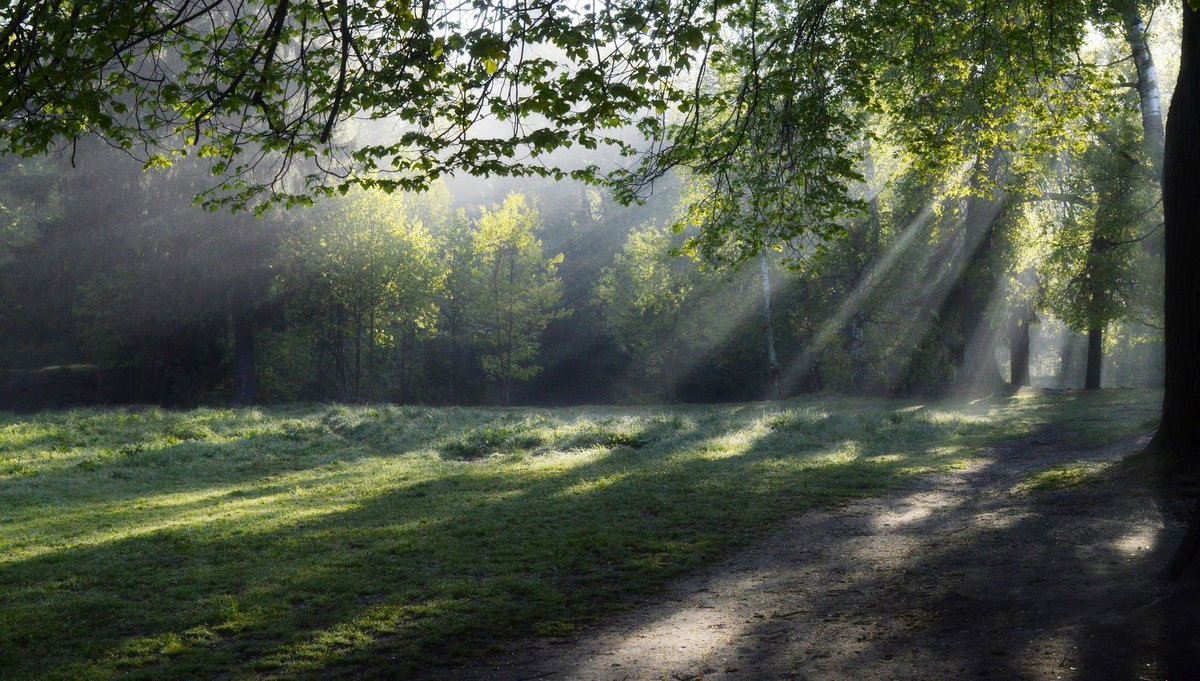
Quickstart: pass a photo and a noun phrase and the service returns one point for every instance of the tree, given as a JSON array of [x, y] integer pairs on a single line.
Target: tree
[[364, 276], [645, 295], [957, 79], [1178, 436], [960, 79], [455, 249], [260, 87], [1128, 14], [1093, 265], [517, 292], [118, 272], [958, 85], [28, 197]]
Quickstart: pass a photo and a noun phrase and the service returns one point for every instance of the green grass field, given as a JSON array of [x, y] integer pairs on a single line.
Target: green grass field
[[334, 541]]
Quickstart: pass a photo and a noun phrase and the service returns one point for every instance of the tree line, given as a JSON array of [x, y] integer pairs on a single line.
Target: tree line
[[769, 106], [559, 294]]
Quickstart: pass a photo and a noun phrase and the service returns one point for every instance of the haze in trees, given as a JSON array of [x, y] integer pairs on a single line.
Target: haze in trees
[[895, 198], [907, 199], [978, 153]]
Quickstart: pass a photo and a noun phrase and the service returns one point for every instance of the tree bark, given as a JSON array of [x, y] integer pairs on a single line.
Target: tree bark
[[372, 379], [1150, 99], [358, 334], [339, 353], [1095, 358], [1067, 374], [856, 346], [1178, 437], [245, 369], [455, 377]]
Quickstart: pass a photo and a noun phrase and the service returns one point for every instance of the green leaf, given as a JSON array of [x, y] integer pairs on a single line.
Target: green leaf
[[157, 162]]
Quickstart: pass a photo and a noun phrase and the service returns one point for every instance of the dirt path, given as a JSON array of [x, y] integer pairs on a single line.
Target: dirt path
[[960, 577]]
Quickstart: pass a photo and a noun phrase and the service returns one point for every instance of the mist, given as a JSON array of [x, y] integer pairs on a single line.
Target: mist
[[117, 288]]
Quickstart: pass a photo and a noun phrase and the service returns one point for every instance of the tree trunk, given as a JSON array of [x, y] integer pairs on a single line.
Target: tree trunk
[[410, 393], [339, 353], [244, 365], [1066, 367], [980, 373], [959, 324], [1018, 349], [669, 368], [585, 205], [455, 377], [509, 334], [1178, 436], [1150, 99], [372, 378], [856, 343], [1095, 358], [320, 369]]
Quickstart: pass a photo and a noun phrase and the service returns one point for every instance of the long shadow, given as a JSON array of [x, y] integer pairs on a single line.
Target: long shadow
[[352, 561], [1053, 577], [432, 571]]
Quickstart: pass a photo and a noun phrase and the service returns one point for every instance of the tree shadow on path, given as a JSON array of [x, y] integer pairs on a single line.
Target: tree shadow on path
[[967, 575]]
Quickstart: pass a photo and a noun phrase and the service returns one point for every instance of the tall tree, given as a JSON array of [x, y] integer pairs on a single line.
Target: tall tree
[[122, 271], [1094, 264], [1178, 435], [1128, 13], [518, 291]]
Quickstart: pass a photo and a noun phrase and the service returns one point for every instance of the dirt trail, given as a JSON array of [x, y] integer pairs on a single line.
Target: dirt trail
[[958, 577]]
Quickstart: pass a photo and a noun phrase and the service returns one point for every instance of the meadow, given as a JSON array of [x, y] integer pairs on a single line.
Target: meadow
[[373, 541]]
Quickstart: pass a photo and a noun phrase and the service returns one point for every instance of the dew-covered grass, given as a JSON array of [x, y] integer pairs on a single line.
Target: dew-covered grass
[[318, 541]]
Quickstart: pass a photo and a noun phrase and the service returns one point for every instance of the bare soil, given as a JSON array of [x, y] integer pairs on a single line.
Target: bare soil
[[962, 576]]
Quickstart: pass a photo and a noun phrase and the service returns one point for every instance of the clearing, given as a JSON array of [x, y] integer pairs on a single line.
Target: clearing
[[820, 538]]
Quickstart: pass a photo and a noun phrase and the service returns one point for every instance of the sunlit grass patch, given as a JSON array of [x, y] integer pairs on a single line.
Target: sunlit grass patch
[[371, 541], [1059, 477]]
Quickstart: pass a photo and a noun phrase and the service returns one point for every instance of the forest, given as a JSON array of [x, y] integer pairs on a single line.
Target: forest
[[626, 339], [117, 288]]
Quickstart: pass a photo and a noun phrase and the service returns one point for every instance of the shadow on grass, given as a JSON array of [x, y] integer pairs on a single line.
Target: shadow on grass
[[380, 561], [1062, 580]]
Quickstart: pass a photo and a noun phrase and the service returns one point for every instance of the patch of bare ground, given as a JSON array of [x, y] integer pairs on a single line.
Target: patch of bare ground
[[966, 575]]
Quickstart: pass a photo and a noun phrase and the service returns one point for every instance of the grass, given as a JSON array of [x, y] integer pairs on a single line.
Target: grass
[[333, 541], [1061, 477]]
